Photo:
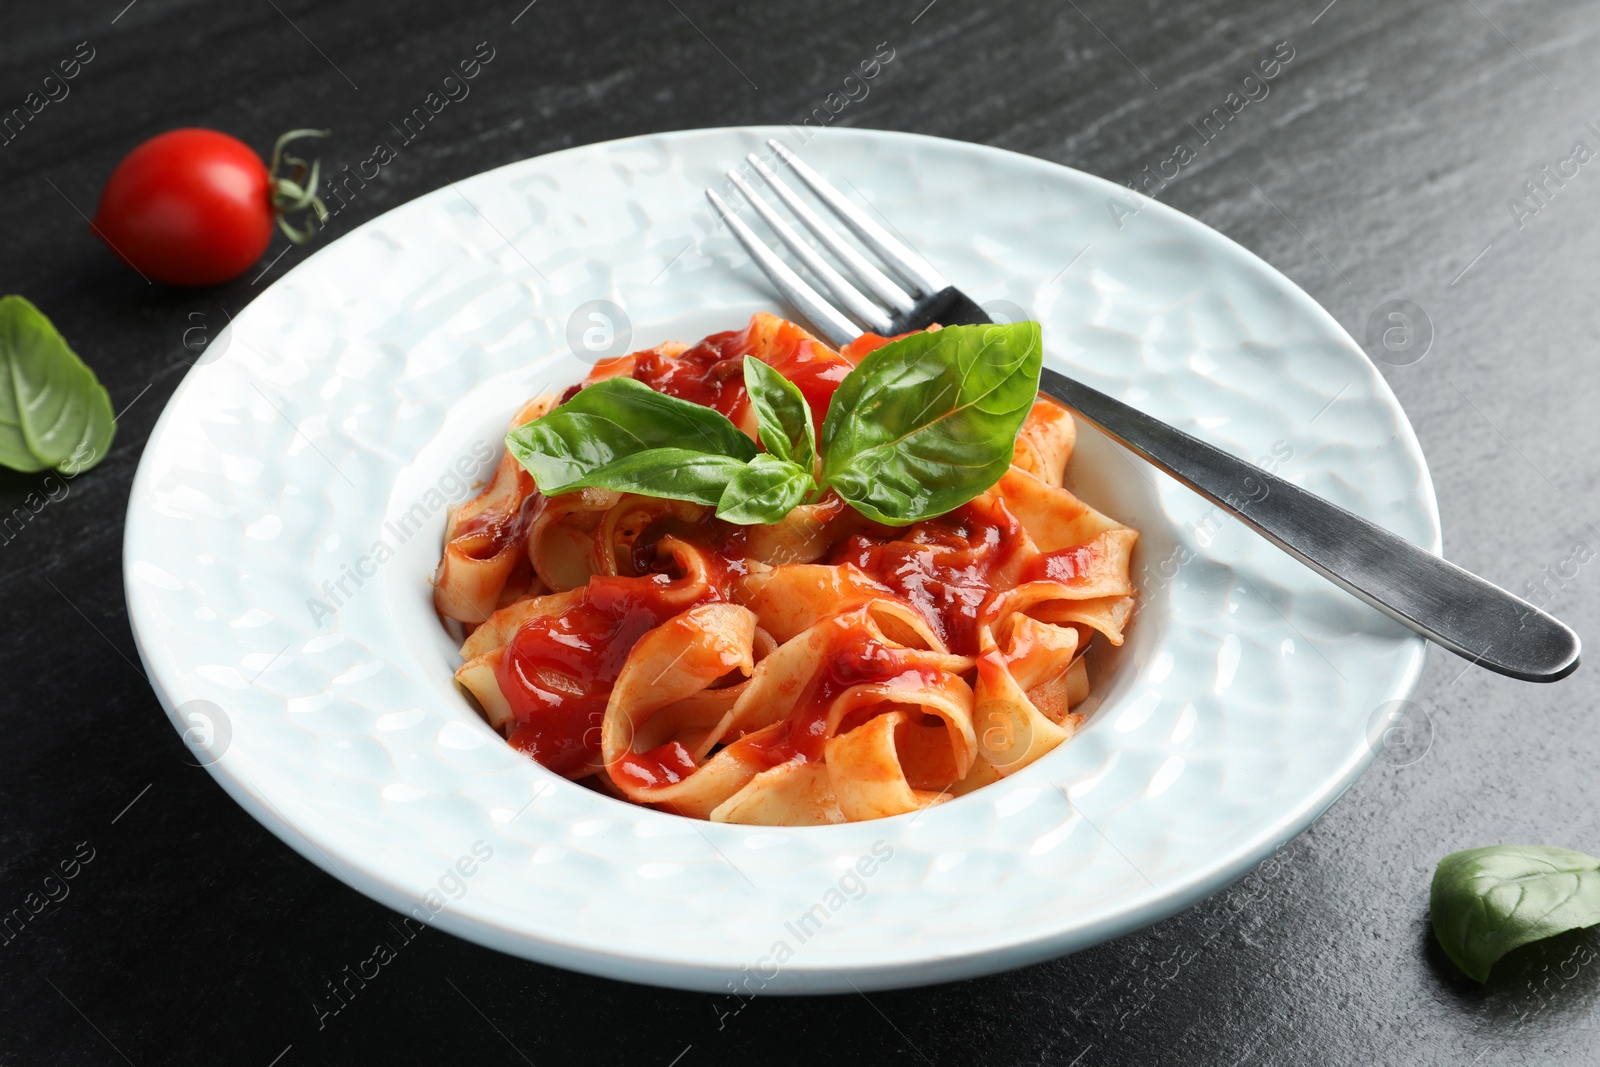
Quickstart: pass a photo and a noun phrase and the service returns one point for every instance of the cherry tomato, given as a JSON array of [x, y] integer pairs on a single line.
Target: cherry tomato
[[196, 207]]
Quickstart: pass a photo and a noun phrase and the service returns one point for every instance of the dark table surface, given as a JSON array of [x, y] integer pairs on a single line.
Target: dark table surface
[[1381, 167]]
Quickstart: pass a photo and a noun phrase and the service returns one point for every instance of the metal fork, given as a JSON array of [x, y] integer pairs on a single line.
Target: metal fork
[[1444, 603]]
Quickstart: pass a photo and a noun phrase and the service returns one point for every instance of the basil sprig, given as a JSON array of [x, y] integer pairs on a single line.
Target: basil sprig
[[766, 490], [1488, 901], [621, 434], [54, 413], [922, 426], [783, 417], [928, 422]]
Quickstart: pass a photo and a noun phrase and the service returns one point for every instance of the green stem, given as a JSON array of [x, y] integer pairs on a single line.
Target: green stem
[[296, 192]]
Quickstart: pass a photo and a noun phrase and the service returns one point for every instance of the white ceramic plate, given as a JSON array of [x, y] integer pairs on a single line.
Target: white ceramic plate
[[352, 396]]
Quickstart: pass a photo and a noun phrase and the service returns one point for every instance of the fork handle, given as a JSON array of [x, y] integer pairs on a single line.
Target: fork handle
[[1442, 602]]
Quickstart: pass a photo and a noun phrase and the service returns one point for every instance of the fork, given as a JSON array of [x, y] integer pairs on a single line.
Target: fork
[[1443, 602]]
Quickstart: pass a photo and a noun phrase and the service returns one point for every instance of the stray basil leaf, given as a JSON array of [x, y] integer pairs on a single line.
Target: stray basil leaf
[[618, 422], [53, 410], [765, 490], [783, 418], [928, 422], [1488, 901]]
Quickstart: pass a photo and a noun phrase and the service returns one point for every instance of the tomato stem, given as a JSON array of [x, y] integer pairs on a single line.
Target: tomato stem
[[297, 191]]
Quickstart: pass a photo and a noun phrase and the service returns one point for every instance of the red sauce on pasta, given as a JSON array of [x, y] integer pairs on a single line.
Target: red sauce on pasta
[[855, 658], [712, 372], [666, 764], [558, 670], [944, 567]]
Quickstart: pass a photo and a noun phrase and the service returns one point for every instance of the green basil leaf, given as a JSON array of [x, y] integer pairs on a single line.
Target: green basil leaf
[[673, 473], [53, 410], [928, 422], [581, 442], [783, 418], [766, 490], [1488, 901]]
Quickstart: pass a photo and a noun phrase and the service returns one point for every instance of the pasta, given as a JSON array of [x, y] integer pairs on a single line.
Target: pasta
[[820, 669]]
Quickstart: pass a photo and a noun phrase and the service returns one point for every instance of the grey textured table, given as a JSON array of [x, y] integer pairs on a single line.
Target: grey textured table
[[1385, 162]]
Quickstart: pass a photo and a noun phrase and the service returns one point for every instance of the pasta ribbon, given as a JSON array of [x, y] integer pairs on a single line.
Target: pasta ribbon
[[791, 599], [655, 725], [1045, 442], [867, 768], [484, 538], [561, 539]]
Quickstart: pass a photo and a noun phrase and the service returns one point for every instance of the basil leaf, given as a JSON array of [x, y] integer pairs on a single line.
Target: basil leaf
[[928, 422], [53, 410], [1488, 901], [766, 490], [673, 473], [618, 421], [783, 417]]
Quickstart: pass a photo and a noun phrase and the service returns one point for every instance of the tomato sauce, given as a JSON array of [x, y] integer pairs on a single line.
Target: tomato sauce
[[666, 764], [855, 658], [944, 567], [558, 670], [712, 372]]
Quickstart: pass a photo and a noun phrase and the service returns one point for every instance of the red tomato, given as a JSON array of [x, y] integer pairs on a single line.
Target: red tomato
[[189, 207]]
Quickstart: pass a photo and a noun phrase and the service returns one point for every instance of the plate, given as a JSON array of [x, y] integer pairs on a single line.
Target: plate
[[288, 511]]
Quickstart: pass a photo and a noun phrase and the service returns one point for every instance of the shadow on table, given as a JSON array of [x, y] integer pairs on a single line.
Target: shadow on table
[[1544, 983]]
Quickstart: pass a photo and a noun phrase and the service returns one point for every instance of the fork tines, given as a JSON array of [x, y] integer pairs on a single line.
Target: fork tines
[[898, 308]]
